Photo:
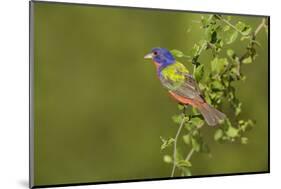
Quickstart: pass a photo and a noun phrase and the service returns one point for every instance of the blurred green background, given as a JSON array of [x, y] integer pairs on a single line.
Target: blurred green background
[[100, 109]]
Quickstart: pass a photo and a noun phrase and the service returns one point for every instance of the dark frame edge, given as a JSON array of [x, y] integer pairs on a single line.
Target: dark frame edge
[[268, 90], [31, 94]]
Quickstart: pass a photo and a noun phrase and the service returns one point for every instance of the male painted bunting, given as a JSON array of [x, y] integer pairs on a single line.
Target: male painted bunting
[[181, 85]]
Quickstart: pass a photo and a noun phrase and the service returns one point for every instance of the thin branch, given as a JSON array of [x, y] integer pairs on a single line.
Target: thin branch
[[262, 24], [175, 146], [202, 48], [231, 25], [254, 35], [189, 154]]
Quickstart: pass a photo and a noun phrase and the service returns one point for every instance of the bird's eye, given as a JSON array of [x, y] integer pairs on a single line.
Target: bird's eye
[[155, 53]]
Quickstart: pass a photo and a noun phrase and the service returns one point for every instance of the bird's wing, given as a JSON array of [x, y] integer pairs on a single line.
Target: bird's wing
[[185, 86], [190, 89], [173, 75]]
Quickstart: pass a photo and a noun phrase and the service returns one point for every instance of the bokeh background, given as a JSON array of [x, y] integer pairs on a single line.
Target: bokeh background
[[99, 108]]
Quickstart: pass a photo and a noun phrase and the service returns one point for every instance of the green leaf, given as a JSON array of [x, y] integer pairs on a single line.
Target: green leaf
[[198, 122], [188, 126], [177, 118], [187, 139], [199, 72], [238, 108], [167, 159], [180, 107], [230, 53], [195, 144], [226, 28], [195, 50], [232, 132], [177, 53], [244, 140], [235, 71], [240, 25], [216, 85], [230, 36], [243, 28], [218, 65], [186, 171], [245, 37], [183, 163], [166, 143], [218, 134], [247, 60], [246, 125], [213, 37], [205, 21]]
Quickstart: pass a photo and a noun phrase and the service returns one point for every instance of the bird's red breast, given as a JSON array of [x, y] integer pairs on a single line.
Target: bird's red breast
[[184, 100]]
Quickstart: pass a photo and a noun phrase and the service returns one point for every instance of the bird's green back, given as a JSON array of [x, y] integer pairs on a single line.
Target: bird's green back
[[174, 74]]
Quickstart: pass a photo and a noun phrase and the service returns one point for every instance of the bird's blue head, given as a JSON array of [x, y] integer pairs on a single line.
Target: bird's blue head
[[161, 56]]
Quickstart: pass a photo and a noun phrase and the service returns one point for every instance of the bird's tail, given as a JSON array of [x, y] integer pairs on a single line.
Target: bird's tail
[[211, 115]]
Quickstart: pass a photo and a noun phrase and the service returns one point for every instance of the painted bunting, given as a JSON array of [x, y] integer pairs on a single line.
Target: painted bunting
[[181, 85]]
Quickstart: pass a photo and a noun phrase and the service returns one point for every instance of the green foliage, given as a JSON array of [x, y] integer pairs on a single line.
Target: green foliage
[[166, 142], [177, 53], [199, 72], [217, 86]]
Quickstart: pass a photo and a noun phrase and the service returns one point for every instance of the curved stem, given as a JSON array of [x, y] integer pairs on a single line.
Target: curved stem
[[262, 24], [231, 25], [175, 146], [189, 154]]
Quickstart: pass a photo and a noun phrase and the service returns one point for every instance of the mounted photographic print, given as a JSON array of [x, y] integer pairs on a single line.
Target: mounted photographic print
[[121, 94]]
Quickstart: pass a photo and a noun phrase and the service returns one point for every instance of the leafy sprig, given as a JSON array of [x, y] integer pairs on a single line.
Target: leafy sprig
[[216, 85]]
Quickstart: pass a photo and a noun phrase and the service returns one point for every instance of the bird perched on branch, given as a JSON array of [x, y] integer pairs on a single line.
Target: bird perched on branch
[[181, 85]]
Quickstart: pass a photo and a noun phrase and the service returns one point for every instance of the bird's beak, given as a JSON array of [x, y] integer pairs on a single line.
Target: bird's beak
[[149, 56]]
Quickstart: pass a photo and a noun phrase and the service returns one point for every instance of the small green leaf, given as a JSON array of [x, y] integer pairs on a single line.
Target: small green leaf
[[226, 28], [218, 65], [232, 132], [216, 85], [167, 159], [186, 171], [243, 28], [177, 53], [213, 37], [218, 135], [177, 118], [188, 126], [187, 139], [238, 108], [247, 60], [195, 144], [166, 143], [198, 122], [244, 140], [183, 163], [180, 107], [199, 72], [195, 50], [246, 125], [204, 21], [230, 36], [245, 37], [230, 53]]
